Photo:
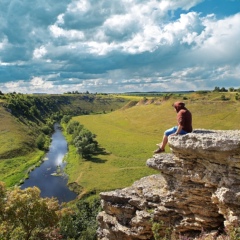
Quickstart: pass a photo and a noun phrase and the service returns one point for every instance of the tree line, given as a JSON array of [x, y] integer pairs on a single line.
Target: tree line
[[223, 89]]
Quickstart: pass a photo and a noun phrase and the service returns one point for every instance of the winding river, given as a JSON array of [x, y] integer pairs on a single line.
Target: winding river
[[46, 177]]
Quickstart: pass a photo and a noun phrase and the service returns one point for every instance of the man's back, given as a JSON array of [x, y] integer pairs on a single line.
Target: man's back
[[184, 118]]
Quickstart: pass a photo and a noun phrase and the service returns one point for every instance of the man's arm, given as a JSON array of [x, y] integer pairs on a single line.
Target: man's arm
[[179, 129]]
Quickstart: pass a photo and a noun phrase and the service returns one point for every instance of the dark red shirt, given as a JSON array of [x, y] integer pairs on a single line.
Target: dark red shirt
[[184, 119]]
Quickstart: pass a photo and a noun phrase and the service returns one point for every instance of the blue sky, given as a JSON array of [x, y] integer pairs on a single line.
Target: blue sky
[[114, 46]]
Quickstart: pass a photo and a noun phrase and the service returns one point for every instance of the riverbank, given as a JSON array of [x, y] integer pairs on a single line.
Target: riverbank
[[49, 177], [25, 117], [15, 170]]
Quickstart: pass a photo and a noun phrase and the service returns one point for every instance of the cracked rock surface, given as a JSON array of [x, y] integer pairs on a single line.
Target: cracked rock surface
[[197, 188]]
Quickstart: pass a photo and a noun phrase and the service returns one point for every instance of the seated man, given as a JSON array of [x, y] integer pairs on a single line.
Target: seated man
[[184, 120]]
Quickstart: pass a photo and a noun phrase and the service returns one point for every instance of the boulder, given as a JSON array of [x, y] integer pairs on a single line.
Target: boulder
[[197, 190]]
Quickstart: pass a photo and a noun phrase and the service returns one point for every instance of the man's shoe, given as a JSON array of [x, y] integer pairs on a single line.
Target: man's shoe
[[159, 150]]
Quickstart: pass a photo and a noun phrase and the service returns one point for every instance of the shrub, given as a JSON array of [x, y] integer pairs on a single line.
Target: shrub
[[66, 119], [25, 215], [46, 130], [82, 224], [40, 141]]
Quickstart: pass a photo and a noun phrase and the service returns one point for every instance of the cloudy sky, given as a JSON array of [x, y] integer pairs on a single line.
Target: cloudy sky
[[118, 45]]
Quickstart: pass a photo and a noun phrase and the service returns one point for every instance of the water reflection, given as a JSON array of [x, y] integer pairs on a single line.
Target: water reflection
[[44, 177]]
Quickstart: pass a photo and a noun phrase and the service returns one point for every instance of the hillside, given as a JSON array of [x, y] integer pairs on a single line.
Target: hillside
[[14, 135], [129, 136], [25, 117]]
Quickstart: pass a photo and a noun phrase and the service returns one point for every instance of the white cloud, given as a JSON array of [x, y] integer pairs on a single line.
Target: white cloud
[[39, 84], [68, 34], [79, 6], [219, 42], [3, 43], [13, 85], [184, 30], [116, 45], [39, 52]]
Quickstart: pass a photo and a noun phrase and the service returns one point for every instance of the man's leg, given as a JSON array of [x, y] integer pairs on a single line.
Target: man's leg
[[164, 142], [161, 146]]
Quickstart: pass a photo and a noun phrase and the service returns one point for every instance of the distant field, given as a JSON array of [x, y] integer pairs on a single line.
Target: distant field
[[130, 136]]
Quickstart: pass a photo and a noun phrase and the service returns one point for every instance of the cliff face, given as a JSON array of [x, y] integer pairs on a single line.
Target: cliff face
[[197, 189]]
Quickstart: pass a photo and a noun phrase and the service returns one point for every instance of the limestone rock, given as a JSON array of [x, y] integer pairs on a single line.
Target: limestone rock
[[198, 188]]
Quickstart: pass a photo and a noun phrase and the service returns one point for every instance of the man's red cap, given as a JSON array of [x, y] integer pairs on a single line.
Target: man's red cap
[[179, 105]]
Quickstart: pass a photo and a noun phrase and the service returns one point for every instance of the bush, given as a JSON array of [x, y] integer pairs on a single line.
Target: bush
[[82, 224], [46, 130], [72, 126], [40, 141], [66, 119], [25, 215], [237, 96]]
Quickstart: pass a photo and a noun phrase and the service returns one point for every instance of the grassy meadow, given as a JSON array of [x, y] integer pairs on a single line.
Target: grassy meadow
[[129, 137], [16, 149], [19, 131]]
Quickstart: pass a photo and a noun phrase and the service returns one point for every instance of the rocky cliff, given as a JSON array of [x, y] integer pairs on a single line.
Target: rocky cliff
[[197, 190]]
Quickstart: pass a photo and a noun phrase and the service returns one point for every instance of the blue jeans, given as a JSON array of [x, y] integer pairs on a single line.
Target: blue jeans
[[173, 130]]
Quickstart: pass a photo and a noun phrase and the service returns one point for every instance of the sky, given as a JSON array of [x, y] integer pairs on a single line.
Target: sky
[[116, 46]]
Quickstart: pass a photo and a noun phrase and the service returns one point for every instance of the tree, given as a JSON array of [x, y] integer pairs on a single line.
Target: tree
[[223, 89], [46, 130], [34, 112], [85, 143], [72, 126], [77, 131], [40, 141], [66, 118], [83, 139], [25, 215], [216, 89], [82, 224]]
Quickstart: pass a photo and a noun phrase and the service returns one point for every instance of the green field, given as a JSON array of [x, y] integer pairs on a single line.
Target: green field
[[129, 138], [19, 130]]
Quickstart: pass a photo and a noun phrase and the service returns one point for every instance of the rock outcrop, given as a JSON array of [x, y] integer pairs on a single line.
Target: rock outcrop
[[197, 189]]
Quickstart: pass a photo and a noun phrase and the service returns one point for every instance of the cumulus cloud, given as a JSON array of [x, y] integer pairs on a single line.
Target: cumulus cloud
[[115, 46], [39, 52]]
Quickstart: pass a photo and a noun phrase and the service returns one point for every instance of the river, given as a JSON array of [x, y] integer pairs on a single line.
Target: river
[[45, 176]]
